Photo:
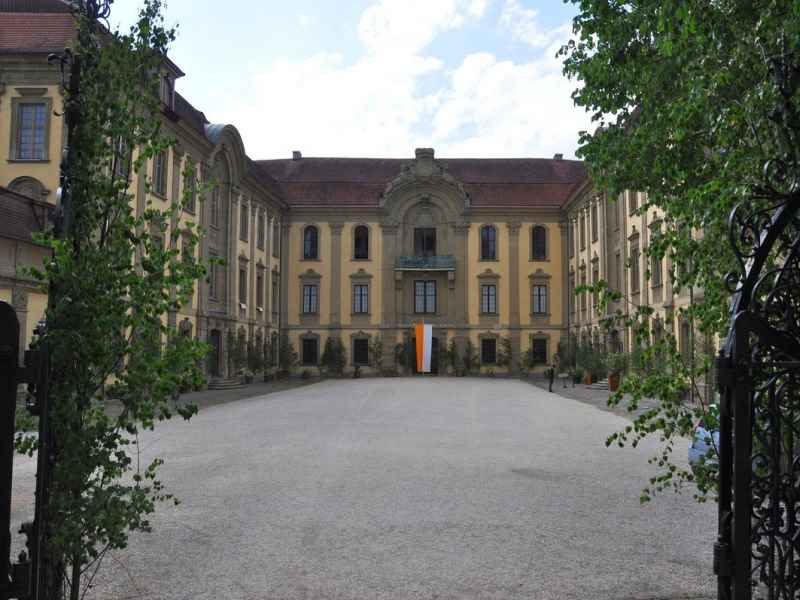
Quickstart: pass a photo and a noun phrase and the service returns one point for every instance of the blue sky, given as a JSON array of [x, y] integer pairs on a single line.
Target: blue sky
[[471, 78]]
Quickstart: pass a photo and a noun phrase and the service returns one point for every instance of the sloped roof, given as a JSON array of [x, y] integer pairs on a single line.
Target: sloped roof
[[490, 182], [22, 32], [22, 216], [35, 6]]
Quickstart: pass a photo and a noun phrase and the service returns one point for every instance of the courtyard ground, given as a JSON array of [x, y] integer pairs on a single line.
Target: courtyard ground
[[408, 488]]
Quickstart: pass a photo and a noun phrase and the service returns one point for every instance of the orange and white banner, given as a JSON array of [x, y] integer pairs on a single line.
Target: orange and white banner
[[424, 335]]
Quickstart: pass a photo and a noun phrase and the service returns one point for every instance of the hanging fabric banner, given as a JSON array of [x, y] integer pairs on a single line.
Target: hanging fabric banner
[[424, 339]]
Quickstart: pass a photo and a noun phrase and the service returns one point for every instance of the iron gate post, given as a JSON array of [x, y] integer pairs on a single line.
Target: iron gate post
[[9, 362]]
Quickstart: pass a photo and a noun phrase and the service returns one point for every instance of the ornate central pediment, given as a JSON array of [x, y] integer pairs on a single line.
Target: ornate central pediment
[[424, 173]]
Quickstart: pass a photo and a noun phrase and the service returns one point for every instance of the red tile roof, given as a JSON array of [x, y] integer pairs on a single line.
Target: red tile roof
[[517, 182], [21, 216], [35, 32]]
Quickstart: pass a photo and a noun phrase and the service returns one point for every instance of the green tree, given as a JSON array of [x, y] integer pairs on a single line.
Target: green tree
[[505, 354], [333, 357], [287, 356], [376, 353], [450, 357], [682, 94], [114, 274], [470, 358]]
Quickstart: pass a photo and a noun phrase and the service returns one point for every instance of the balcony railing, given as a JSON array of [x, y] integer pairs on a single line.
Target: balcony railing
[[425, 263]]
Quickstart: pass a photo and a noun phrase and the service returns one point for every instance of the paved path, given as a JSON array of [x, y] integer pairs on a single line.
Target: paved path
[[431, 488]]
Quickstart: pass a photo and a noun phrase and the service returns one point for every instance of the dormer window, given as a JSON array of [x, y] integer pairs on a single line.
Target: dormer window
[[167, 91]]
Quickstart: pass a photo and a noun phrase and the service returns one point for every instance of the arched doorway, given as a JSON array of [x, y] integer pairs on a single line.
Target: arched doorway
[[215, 341]]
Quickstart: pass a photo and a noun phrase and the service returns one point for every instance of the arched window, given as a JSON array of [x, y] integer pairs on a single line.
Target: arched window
[[361, 243], [311, 243], [28, 186], [539, 243], [488, 242]]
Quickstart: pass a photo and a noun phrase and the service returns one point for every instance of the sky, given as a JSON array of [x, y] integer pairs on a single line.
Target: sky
[[378, 78]]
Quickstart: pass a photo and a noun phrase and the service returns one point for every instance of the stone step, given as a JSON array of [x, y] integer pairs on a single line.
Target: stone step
[[225, 384], [599, 385]]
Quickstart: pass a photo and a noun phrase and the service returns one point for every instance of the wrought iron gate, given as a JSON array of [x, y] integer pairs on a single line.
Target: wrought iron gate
[[757, 554]]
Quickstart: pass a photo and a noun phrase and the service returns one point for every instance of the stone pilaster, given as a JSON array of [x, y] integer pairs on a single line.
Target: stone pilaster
[[336, 275], [19, 302], [513, 293]]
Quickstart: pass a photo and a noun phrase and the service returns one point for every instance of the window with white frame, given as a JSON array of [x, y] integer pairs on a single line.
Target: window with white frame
[[360, 298], [489, 299], [310, 298], [539, 301]]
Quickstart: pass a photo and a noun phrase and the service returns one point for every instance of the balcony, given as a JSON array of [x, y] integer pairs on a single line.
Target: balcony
[[425, 263]]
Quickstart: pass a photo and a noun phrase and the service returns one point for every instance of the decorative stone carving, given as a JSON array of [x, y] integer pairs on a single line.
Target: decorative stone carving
[[19, 298], [424, 170]]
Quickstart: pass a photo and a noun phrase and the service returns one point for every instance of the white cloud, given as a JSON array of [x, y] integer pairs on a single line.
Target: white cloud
[[377, 105], [507, 109], [524, 25]]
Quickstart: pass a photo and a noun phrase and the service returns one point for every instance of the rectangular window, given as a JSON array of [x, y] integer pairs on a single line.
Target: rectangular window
[[425, 241], [361, 298], [540, 299], [310, 299], [634, 268], [488, 351], [632, 202], [215, 193], [190, 187], [244, 222], [594, 222], [424, 297], [583, 231], [309, 351], [212, 276], [243, 286], [274, 297], [618, 274], [655, 272], [122, 159], [361, 352], [571, 294], [539, 351], [489, 299], [160, 173], [583, 294], [571, 239], [595, 279], [31, 131], [276, 240], [260, 291], [261, 231]]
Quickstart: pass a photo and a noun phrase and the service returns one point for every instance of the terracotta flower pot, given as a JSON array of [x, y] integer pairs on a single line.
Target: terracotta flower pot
[[587, 379], [613, 382]]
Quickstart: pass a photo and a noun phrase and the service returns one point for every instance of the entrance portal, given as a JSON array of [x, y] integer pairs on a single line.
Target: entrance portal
[[434, 355], [215, 341]]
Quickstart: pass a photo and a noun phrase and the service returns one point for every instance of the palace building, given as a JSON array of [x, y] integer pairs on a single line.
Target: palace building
[[484, 250]]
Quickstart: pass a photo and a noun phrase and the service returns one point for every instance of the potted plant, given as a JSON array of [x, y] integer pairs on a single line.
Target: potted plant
[[615, 363]]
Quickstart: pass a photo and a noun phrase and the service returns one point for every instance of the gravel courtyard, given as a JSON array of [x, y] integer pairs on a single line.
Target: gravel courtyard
[[431, 488]]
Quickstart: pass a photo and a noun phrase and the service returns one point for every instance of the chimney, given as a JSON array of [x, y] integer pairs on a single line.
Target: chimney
[[424, 153], [558, 156], [297, 155]]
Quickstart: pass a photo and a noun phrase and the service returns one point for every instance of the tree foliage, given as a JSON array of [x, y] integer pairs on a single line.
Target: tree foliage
[[334, 357], [682, 96], [113, 277]]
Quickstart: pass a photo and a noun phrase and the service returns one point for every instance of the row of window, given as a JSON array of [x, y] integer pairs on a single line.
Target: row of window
[[425, 298], [425, 242], [309, 351]]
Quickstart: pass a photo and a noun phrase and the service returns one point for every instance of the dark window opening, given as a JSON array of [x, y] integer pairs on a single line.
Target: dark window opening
[[488, 351], [539, 243], [311, 243], [488, 243], [539, 351], [361, 243], [361, 352], [425, 241], [309, 351]]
